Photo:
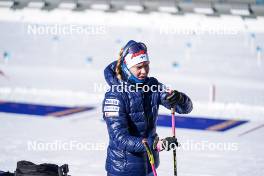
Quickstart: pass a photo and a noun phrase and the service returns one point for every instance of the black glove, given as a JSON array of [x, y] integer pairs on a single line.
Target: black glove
[[165, 144], [174, 98], [169, 143]]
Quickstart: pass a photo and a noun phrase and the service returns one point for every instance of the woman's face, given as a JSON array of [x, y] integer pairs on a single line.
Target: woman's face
[[140, 70]]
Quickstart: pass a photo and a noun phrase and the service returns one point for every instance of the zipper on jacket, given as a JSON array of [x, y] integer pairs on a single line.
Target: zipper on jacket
[[145, 114]]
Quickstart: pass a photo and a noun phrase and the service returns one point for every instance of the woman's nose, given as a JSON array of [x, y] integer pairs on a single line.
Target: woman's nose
[[143, 70]]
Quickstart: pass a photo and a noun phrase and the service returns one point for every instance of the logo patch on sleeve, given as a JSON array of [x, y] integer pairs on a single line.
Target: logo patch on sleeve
[[111, 114], [111, 108], [111, 101]]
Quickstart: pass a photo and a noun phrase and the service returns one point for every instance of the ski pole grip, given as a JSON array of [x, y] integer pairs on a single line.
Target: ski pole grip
[[172, 110]]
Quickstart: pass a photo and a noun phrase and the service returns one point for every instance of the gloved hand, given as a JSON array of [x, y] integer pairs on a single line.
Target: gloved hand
[[174, 97], [165, 144]]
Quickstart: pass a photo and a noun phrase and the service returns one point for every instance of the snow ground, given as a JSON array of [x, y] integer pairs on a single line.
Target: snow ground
[[242, 155]]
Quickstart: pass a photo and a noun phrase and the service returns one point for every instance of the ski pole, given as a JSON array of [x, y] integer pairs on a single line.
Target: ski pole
[[151, 157], [174, 135]]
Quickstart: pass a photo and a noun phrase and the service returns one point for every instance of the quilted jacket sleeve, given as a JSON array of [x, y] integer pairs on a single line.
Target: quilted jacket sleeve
[[115, 116]]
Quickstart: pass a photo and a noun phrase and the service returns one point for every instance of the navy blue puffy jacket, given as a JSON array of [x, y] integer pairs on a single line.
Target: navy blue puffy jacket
[[131, 116]]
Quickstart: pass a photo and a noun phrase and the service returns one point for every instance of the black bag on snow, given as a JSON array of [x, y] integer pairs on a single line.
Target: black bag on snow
[[26, 168], [2, 173]]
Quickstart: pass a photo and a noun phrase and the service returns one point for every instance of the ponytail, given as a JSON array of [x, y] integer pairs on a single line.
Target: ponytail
[[118, 65]]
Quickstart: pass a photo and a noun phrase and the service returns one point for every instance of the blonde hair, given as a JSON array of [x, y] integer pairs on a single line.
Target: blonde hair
[[118, 65]]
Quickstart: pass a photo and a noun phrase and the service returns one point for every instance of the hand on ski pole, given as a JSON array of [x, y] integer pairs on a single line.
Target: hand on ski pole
[[167, 144], [174, 98]]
